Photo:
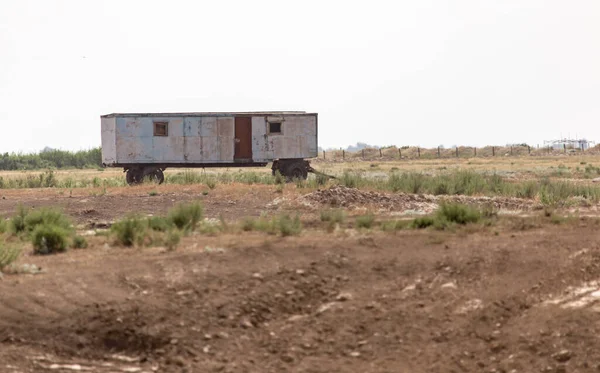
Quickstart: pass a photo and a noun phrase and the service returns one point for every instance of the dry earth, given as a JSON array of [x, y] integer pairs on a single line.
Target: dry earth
[[507, 298]]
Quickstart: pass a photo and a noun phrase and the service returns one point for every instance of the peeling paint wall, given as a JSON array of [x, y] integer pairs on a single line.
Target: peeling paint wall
[[203, 139], [109, 140], [298, 138]]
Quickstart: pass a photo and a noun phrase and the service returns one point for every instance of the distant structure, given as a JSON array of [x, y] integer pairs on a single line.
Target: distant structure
[[581, 144]]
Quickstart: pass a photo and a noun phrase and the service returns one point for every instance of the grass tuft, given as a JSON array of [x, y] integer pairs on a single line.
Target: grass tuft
[[50, 239], [186, 217], [130, 231], [365, 221], [8, 255]]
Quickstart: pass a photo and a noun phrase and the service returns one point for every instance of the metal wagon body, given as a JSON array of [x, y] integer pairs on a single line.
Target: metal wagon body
[[145, 144]]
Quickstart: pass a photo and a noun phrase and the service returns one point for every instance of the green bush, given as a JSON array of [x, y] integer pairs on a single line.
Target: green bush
[[4, 225], [46, 216], [289, 226], [211, 183], [17, 223], [394, 225], [423, 222], [79, 242], [365, 221], [8, 255], [49, 239], [457, 213], [187, 216], [130, 231], [333, 216], [173, 237], [159, 223]]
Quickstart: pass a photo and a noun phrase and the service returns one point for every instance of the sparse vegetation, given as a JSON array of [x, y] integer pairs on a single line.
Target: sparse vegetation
[[130, 231], [49, 238], [8, 254], [172, 239], [365, 221], [79, 242], [334, 216], [186, 216], [284, 225]]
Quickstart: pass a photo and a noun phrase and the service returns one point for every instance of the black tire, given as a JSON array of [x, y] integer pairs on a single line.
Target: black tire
[[295, 171], [154, 175], [134, 176]]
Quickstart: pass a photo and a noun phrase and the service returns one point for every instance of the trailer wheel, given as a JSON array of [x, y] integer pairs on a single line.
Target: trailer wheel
[[134, 176], [296, 170], [137, 176], [156, 176]]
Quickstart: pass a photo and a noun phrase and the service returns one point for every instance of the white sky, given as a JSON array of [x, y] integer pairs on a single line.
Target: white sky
[[421, 72]]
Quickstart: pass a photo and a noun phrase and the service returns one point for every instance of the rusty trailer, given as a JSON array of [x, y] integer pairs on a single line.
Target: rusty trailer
[[144, 145]]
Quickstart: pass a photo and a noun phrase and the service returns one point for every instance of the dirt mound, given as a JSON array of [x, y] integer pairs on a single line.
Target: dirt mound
[[341, 196]]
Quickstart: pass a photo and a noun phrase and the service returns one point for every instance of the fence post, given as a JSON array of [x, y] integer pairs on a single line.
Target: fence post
[[380, 153], [475, 151], [565, 146], [529, 149], [324, 154], [457, 152], [363, 154], [511, 150], [439, 155], [419, 151], [493, 151], [343, 154], [400, 153]]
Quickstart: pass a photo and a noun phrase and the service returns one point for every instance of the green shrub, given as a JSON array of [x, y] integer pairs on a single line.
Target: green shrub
[[79, 242], [130, 231], [365, 221], [173, 237], [457, 213], [17, 223], [351, 180], [159, 223], [333, 216], [394, 225], [321, 179], [4, 225], [423, 222], [211, 183], [279, 178], [187, 216], [8, 255], [289, 226], [49, 239], [46, 216]]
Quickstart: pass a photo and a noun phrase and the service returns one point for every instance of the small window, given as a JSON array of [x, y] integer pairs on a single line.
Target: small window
[[161, 128], [274, 127]]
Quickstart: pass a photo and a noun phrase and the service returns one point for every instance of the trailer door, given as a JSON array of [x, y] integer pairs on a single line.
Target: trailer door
[[243, 138]]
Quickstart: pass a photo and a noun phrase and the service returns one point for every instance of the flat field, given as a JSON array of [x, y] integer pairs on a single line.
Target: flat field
[[482, 265]]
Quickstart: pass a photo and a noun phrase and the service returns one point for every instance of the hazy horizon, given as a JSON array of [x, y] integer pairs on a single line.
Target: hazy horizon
[[424, 73]]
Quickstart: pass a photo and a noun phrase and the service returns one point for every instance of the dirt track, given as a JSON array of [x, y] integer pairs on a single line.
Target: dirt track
[[410, 302]]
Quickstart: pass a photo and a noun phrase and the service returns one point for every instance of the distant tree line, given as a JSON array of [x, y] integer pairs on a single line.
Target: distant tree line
[[49, 159]]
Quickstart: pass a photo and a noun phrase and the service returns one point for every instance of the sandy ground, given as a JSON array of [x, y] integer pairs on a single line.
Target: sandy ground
[[512, 297]]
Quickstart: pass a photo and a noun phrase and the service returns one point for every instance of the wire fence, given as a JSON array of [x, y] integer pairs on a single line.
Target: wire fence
[[415, 152]]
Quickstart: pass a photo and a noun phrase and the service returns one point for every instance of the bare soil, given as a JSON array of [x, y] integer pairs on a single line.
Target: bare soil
[[506, 298]]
